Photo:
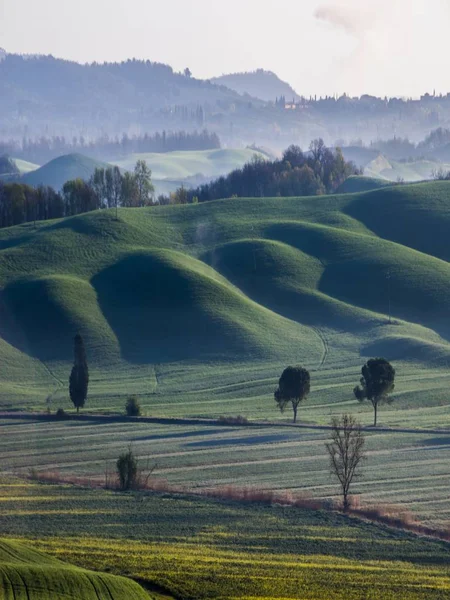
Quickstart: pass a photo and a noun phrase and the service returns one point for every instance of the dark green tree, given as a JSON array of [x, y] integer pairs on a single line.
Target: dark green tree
[[143, 178], [132, 407], [377, 382], [79, 376], [129, 194], [99, 185], [293, 387]]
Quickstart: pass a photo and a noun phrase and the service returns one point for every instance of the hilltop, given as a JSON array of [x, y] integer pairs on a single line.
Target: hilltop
[[56, 172], [235, 282], [261, 84], [73, 97]]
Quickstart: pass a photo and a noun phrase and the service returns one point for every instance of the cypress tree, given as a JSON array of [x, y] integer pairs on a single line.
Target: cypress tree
[[79, 376]]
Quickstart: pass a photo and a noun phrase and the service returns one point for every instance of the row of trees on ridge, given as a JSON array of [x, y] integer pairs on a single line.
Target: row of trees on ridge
[[44, 149]]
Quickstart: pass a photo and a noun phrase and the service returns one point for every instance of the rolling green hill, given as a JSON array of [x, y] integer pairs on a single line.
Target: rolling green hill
[[410, 171], [361, 183], [181, 165], [27, 574], [170, 299], [170, 170], [56, 172]]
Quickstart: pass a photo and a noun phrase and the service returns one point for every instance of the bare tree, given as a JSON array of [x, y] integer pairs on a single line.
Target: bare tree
[[346, 451]]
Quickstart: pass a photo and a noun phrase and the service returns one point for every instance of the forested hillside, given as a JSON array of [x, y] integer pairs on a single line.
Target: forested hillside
[[259, 84]]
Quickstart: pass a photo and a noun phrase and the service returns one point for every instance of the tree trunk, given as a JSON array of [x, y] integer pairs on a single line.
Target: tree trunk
[[375, 409], [346, 503], [295, 413], [78, 410]]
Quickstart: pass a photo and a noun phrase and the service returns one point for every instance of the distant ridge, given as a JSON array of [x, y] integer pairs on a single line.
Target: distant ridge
[[261, 84]]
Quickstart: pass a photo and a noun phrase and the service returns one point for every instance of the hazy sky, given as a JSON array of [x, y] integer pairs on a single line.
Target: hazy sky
[[392, 47]]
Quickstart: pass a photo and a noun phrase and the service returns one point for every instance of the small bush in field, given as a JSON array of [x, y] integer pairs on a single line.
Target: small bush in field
[[239, 420], [127, 470], [132, 407], [61, 414]]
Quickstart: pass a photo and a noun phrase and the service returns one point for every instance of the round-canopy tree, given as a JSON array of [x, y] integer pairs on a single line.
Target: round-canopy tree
[[293, 387], [79, 376], [377, 382]]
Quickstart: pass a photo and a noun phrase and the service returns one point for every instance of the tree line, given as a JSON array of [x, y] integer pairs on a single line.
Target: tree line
[[321, 170], [44, 149], [107, 188]]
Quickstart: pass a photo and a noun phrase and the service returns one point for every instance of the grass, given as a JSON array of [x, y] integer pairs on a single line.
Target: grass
[[204, 548], [27, 574], [362, 183]]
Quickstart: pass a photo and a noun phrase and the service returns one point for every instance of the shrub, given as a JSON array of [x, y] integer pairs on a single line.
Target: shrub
[[61, 414], [239, 420], [127, 470], [132, 407]]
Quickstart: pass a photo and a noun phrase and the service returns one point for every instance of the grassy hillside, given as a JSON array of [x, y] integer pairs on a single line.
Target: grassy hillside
[[27, 574], [25, 166], [411, 171], [169, 171], [181, 165], [172, 300], [361, 183], [56, 172], [226, 550]]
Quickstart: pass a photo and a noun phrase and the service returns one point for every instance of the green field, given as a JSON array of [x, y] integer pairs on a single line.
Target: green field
[[27, 574], [408, 470], [203, 549]]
